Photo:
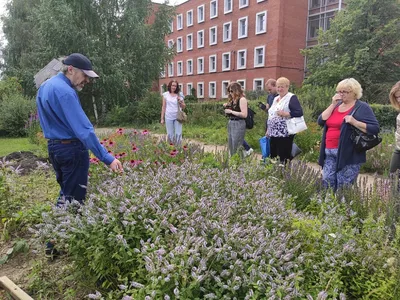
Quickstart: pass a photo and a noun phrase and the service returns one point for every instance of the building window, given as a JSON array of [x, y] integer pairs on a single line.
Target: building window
[[242, 83], [170, 44], [200, 14], [243, 3], [228, 4], [189, 18], [179, 44], [179, 22], [242, 28], [315, 3], [227, 32], [171, 69], [322, 21], [200, 90], [162, 73], [241, 59], [200, 38], [179, 68], [189, 67], [226, 61], [213, 9], [189, 87], [261, 22], [213, 35], [171, 26], [259, 56], [258, 84], [225, 85], [189, 41], [200, 65], [212, 63], [212, 89]]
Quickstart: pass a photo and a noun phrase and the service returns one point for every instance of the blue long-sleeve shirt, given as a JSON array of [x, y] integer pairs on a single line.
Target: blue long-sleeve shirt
[[62, 117]]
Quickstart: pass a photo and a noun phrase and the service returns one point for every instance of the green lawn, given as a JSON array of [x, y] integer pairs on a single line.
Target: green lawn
[[9, 145]]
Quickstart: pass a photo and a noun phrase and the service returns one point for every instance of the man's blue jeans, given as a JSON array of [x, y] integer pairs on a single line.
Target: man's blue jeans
[[70, 161]]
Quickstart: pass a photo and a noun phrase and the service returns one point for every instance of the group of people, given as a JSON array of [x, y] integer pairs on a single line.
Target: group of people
[[70, 133]]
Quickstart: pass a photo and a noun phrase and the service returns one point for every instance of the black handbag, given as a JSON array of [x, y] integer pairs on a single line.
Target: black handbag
[[363, 141]]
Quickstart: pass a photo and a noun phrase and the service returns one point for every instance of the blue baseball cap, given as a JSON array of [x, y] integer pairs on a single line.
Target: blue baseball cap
[[81, 62]]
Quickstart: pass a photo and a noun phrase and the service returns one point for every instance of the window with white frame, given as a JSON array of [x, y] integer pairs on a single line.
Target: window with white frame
[[200, 38], [228, 4], [179, 22], [213, 9], [171, 69], [179, 44], [226, 61], [243, 3], [200, 90], [189, 41], [242, 83], [200, 13], [171, 26], [242, 28], [200, 65], [241, 59], [227, 34], [170, 44], [189, 18], [261, 22], [180, 87], [259, 56], [212, 89], [162, 73], [189, 67], [213, 35], [212, 63], [260, 1], [224, 93], [189, 87], [258, 84], [179, 68]]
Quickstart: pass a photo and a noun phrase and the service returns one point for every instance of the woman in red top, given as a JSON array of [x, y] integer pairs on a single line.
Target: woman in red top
[[340, 161]]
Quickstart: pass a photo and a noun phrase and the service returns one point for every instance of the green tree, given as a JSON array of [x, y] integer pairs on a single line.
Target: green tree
[[124, 39], [363, 42]]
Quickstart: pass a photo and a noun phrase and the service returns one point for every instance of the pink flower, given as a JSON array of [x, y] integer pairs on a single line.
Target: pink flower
[[134, 149], [120, 131], [94, 160], [110, 143], [145, 132], [134, 132], [185, 147]]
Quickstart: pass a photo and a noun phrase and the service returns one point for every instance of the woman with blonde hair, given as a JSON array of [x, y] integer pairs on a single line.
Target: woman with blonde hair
[[236, 110], [285, 106], [339, 159], [394, 97]]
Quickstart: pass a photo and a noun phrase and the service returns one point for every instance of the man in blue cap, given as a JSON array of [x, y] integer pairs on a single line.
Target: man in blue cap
[[68, 130]]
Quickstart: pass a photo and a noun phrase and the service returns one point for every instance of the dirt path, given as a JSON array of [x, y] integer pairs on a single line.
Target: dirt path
[[369, 178]]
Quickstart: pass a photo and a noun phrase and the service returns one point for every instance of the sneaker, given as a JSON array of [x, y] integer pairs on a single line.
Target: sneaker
[[249, 152]]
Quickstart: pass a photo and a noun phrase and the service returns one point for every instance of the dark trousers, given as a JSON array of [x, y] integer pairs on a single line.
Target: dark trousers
[[395, 162], [281, 147], [71, 164], [246, 146]]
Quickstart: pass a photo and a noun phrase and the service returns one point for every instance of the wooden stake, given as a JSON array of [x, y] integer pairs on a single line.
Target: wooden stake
[[13, 289]]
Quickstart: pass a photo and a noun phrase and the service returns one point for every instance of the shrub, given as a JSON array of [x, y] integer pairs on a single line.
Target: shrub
[[256, 94], [386, 116], [33, 128], [378, 158], [317, 98], [9, 86], [149, 108], [120, 116], [15, 109]]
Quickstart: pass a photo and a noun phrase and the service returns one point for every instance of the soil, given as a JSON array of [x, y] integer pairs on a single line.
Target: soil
[[25, 161]]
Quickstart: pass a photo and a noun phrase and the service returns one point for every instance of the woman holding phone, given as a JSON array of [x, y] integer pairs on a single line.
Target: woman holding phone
[[172, 101], [340, 161]]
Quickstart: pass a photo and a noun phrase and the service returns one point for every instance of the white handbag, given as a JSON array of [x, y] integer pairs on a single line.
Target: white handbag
[[296, 125]]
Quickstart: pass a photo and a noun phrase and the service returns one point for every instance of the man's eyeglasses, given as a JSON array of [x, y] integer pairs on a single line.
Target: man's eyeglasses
[[343, 92]]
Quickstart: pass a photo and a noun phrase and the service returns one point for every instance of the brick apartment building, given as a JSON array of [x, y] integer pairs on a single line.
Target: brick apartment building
[[248, 41]]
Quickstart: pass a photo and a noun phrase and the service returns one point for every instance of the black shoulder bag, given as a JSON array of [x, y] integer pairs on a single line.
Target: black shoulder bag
[[363, 141]]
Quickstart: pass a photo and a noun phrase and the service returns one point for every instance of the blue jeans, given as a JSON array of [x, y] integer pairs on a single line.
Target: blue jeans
[[71, 164], [174, 131]]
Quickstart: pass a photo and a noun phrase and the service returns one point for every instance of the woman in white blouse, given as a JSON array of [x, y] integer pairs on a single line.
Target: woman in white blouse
[[171, 102]]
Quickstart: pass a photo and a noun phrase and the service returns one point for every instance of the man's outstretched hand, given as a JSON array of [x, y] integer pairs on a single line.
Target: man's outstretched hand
[[116, 166]]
